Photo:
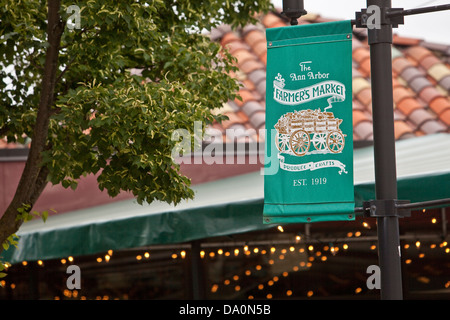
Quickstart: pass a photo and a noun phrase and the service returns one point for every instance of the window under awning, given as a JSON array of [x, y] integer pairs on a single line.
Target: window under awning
[[224, 207]]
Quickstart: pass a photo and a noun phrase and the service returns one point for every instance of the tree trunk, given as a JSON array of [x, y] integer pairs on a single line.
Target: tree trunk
[[34, 177]]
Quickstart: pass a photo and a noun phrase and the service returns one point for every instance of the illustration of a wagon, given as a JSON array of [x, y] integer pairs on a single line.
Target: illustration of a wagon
[[297, 130]]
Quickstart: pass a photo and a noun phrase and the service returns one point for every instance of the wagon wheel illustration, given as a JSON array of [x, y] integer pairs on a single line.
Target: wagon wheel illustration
[[335, 141], [299, 142], [319, 141], [282, 142]]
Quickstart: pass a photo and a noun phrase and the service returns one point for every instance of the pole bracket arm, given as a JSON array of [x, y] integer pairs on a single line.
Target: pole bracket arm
[[386, 208], [382, 16]]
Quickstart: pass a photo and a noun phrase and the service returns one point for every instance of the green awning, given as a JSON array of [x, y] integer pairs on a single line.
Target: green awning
[[223, 207], [228, 206], [423, 169]]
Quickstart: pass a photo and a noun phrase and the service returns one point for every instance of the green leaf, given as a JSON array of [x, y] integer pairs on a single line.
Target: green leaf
[[44, 215]]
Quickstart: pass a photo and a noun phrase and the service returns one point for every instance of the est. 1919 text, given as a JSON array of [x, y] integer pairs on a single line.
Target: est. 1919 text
[[311, 181]]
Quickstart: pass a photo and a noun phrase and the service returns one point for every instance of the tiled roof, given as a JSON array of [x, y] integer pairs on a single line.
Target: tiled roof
[[421, 80], [5, 145]]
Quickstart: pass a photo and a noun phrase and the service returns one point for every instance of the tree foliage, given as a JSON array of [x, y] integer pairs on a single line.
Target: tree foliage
[[71, 91]]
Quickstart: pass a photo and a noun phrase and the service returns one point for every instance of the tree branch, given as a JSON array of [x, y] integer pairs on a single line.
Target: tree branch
[[34, 177], [65, 69]]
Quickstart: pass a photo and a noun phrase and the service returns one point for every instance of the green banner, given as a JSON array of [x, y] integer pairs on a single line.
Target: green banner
[[308, 173]]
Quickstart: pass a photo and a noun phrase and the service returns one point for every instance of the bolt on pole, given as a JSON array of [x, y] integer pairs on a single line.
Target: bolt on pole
[[389, 252]]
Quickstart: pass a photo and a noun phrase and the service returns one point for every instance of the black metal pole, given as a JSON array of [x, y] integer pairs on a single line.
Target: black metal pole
[[197, 274], [410, 12], [389, 253]]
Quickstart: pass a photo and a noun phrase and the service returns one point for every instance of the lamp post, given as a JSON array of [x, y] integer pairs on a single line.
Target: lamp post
[[389, 252], [293, 9]]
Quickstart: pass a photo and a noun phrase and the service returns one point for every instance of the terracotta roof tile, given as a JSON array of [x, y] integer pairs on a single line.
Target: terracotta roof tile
[[359, 84], [420, 83], [364, 130], [248, 84], [360, 54], [401, 128], [251, 107], [398, 115], [243, 116], [233, 118], [251, 65], [355, 72], [5, 145], [445, 117], [255, 36], [358, 105], [244, 55], [217, 33], [365, 96], [364, 67], [270, 20], [250, 27], [357, 44], [360, 116], [439, 71], [431, 127], [409, 74], [257, 76], [415, 63], [429, 94], [233, 105], [229, 37], [399, 64], [420, 116], [260, 48], [401, 93], [264, 59], [217, 126], [429, 61], [278, 24], [408, 105], [419, 133], [418, 53], [400, 80], [261, 87], [234, 46], [396, 83], [435, 46], [405, 41], [441, 90], [445, 83], [246, 96], [440, 104], [258, 96], [258, 119]]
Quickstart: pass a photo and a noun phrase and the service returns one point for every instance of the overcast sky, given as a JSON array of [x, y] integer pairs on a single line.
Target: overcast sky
[[433, 27]]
